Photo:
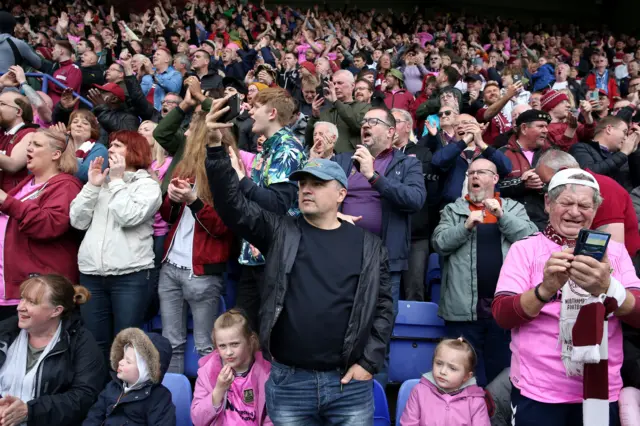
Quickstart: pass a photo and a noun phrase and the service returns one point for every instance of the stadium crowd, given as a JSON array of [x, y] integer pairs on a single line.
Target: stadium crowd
[[318, 156]]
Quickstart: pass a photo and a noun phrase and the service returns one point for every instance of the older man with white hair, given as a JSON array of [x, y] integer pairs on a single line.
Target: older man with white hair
[[413, 277], [564, 310], [343, 111], [325, 135]]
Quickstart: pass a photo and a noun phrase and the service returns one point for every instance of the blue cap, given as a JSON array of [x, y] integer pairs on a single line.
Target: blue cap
[[322, 169]]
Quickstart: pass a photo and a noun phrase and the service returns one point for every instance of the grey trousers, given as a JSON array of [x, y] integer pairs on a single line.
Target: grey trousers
[[176, 288]]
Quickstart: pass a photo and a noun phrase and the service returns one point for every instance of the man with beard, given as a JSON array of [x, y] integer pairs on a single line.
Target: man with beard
[[474, 236], [492, 113], [366, 93], [524, 149], [343, 111], [386, 188]]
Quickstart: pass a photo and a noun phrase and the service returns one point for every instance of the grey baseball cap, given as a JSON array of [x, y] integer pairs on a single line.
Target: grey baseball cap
[[322, 169]]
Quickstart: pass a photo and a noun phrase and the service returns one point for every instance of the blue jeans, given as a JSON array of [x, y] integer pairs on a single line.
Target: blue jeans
[[117, 302], [490, 342], [527, 412], [314, 398]]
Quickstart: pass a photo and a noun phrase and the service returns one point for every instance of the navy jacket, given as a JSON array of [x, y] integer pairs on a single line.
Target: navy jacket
[[402, 193], [149, 405], [453, 168]]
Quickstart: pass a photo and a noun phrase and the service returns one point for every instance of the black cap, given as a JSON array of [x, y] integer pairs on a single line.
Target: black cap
[[531, 115], [235, 83], [472, 77]]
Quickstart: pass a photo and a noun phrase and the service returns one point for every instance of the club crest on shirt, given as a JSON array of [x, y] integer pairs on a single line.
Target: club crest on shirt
[[248, 396]]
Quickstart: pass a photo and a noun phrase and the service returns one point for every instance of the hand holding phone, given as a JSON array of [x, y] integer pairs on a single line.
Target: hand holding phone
[[234, 109]]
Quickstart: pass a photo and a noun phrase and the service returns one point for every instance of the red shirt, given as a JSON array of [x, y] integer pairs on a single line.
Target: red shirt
[[497, 125], [617, 207], [68, 74]]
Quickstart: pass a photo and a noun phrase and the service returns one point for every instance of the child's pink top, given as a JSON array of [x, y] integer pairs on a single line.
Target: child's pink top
[[429, 406], [536, 365], [246, 395], [160, 227]]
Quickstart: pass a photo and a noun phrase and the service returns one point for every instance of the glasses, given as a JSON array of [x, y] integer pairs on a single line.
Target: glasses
[[481, 172], [170, 102], [9, 105], [372, 122], [445, 113]]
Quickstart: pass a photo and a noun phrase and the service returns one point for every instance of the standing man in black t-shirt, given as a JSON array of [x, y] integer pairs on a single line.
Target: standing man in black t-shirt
[[327, 312], [474, 236]]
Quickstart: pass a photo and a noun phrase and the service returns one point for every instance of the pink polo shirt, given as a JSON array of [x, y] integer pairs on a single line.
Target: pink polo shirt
[[26, 190], [536, 365]]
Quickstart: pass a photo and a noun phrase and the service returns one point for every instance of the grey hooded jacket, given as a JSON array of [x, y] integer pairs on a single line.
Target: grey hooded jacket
[[7, 58]]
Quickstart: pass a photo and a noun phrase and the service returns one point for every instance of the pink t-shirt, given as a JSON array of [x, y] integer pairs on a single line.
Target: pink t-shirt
[[4, 219], [529, 155], [240, 409], [536, 365], [160, 227]]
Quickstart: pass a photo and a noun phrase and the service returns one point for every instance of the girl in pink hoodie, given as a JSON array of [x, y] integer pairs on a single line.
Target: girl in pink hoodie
[[230, 386], [448, 395]]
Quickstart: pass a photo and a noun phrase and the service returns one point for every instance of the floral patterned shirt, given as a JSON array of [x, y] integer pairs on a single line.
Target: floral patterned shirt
[[282, 154]]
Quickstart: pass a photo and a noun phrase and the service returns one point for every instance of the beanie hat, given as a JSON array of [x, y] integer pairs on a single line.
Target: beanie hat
[[232, 46], [309, 67], [551, 99], [259, 86]]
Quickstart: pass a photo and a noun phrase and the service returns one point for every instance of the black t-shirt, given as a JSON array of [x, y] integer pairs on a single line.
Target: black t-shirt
[[488, 265], [310, 330]]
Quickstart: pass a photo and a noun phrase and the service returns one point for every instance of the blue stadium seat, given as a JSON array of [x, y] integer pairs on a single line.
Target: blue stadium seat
[[381, 407], [180, 389], [403, 397], [417, 331]]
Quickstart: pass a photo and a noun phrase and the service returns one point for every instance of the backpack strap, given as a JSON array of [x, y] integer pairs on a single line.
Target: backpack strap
[[16, 52]]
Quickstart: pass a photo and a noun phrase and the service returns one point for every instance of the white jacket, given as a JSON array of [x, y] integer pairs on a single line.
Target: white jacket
[[118, 218]]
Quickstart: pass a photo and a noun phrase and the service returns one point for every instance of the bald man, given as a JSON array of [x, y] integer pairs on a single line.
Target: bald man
[[474, 236], [452, 160]]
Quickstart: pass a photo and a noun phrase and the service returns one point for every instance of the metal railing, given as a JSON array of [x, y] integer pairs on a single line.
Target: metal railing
[[46, 79]]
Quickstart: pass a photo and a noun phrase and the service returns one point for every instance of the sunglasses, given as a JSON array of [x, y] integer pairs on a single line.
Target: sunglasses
[[446, 113]]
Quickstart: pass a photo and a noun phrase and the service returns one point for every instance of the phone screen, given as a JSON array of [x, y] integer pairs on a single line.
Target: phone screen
[[593, 244]]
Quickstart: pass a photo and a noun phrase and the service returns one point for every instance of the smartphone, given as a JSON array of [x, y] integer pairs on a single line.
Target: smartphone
[[594, 96], [592, 243], [517, 78], [234, 109], [356, 163]]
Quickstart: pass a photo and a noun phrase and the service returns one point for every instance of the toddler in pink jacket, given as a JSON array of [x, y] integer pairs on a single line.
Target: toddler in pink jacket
[[230, 386], [448, 395]]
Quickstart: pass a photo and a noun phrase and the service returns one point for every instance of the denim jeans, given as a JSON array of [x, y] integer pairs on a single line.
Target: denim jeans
[[117, 302], [491, 343], [154, 303], [178, 287], [314, 398]]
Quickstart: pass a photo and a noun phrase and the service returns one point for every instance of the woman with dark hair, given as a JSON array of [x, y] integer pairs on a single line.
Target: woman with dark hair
[[35, 236], [51, 371], [116, 208]]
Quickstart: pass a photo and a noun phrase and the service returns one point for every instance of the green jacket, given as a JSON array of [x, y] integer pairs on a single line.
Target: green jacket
[[347, 118], [459, 293], [169, 133]]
